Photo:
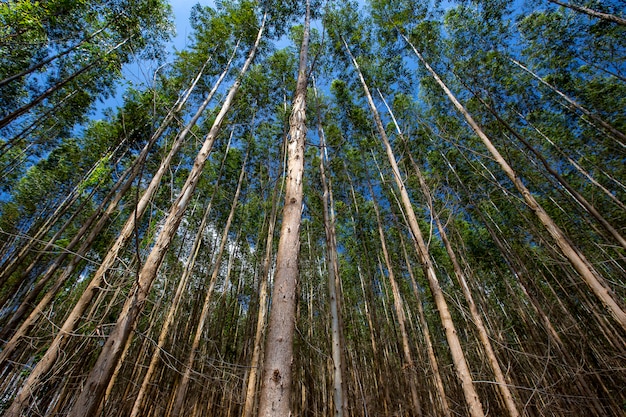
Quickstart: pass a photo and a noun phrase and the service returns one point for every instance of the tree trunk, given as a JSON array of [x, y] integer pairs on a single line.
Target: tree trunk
[[503, 386], [593, 13], [181, 391], [169, 319], [460, 363], [56, 347], [276, 379], [398, 304], [259, 334], [591, 277], [443, 399], [334, 284]]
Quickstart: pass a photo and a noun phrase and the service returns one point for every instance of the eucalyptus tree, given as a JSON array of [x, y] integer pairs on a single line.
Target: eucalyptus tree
[[91, 396], [460, 362], [596, 283], [276, 381]]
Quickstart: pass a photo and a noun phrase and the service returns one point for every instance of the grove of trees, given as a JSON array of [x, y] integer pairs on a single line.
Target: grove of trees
[[336, 208]]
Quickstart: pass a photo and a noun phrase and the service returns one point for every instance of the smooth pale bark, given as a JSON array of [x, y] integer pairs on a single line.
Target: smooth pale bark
[[56, 347], [169, 319], [443, 399], [181, 391], [275, 394], [503, 385], [257, 352], [618, 136], [94, 386], [458, 356], [589, 275], [591, 12], [334, 286], [398, 304]]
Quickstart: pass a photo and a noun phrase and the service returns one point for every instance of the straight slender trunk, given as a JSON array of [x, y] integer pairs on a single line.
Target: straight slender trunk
[[593, 13], [458, 356], [434, 365], [589, 275], [181, 391], [334, 285], [100, 375], [398, 304], [503, 386], [169, 319], [259, 334], [275, 394]]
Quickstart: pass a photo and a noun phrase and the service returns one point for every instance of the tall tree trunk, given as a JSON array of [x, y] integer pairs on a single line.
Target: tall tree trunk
[[334, 284], [458, 356], [275, 394], [399, 309], [593, 13], [591, 277], [97, 380], [259, 334], [503, 385], [181, 391], [443, 399], [169, 319]]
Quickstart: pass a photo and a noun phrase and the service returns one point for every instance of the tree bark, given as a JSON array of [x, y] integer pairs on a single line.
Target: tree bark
[[259, 334], [276, 379], [593, 13]]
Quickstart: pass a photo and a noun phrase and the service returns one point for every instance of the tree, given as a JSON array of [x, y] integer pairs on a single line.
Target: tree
[[276, 379]]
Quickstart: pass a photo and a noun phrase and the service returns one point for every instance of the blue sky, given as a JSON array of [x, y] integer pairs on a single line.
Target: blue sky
[[181, 9]]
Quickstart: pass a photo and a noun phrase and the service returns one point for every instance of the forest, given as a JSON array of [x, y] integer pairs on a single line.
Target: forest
[[315, 208]]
